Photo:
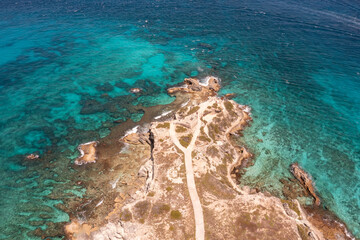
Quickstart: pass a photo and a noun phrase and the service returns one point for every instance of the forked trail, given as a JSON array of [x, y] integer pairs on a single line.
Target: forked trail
[[198, 211]]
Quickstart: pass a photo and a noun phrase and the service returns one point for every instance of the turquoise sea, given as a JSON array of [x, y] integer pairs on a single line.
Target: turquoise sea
[[66, 67]]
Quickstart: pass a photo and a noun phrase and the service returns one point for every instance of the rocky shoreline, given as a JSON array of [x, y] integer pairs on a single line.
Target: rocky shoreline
[[181, 182]]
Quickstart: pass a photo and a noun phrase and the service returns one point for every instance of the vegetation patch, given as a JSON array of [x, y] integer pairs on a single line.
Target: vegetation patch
[[302, 232], [160, 208], [169, 189], [180, 129], [292, 205], [204, 138], [228, 105], [213, 130], [212, 151], [230, 108], [202, 131], [125, 215], [206, 113], [185, 140], [227, 158], [141, 209], [182, 110], [178, 150], [203, 120], [151, 194], [175, 214], [163, 125], [222, 170], [218, 188], [193, 110]]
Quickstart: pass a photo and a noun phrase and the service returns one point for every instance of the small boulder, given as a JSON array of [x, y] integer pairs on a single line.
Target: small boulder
[[135, 90], [229, 95], [32, 156]]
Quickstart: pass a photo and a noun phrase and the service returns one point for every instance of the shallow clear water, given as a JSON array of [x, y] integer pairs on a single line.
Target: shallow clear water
[[67, 67]]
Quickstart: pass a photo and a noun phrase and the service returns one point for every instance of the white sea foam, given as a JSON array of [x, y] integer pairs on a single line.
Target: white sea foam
[[245, 108], [133, 130], [347, 233], [125, 148], [99, 203], [163, 114], [185, 103], [113, 184], [205, 81]]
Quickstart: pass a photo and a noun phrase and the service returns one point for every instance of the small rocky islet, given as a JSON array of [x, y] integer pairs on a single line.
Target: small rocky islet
[[182, 172]]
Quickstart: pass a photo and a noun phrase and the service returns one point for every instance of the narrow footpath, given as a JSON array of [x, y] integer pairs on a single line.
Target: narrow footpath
[[198, 211]]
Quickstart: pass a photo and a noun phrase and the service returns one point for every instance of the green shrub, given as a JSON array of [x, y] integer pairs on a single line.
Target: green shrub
[[193, 110], [175, 214], [204, 138], [180, 129], [185, 140], [163, 125], [125, 215]]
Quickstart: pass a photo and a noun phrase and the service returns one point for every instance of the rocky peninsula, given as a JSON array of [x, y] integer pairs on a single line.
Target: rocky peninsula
[[183, 180]]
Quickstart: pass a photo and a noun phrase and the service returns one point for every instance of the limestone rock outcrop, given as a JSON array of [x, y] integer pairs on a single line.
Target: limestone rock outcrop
[[214, 84], [305, 179], [136, 138], [193, 85], [88, 153], [186, 173]]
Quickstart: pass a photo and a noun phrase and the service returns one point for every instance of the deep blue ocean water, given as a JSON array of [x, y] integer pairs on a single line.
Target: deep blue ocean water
[[66, 68]]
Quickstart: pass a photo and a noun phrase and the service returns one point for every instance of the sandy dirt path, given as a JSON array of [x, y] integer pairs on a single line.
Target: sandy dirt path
[[198, 211]]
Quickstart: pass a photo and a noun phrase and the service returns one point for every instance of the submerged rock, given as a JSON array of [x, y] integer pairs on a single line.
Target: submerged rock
[[305, 179], [32, 156], [135, 90]]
